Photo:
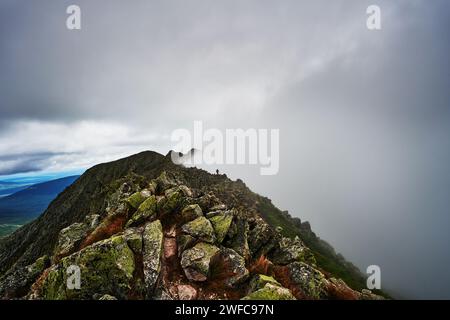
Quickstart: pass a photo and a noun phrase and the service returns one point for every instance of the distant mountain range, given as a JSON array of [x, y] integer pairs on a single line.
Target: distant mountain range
[[28, 202]]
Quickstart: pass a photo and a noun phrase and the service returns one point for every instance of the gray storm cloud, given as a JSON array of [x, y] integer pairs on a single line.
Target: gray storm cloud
[[363, 116]]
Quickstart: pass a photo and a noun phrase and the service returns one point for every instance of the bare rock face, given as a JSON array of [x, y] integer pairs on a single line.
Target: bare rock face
[[153, 247]]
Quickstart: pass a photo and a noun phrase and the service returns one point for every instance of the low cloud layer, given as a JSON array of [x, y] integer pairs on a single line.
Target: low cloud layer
[[363, 116]]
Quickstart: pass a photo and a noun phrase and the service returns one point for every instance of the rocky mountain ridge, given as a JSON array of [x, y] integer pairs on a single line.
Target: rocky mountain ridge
[[144, 228]]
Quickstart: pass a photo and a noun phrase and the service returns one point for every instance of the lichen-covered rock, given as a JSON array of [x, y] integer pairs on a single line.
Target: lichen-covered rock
[[288, 251], [270, 292], [201, 229], [196, 261], [186, 292], [146, 211], [71, 237], [133, 236], [260, 280], [261, 238], [17, 284], [233, 265], [207, 201], [221, 223], [218, 207], [185, 241], [307, 279], [174, 200], [164, 182], [153, 247], [107, 297], [238, 234], [191, 212], [106, 267], [181, 188], [136, 199]]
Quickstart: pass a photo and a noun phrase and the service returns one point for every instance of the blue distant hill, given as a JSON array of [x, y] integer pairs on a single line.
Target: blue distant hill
[[27, 204]]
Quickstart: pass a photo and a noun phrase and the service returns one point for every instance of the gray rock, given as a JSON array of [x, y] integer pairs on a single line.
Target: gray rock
[[196, 261], [153, 248], [201, 229]]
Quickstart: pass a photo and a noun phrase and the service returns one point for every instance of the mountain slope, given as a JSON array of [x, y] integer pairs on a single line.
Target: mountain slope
[[159, 231], [25, 205]]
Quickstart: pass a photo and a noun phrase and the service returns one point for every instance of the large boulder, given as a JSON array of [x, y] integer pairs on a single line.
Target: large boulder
[[146, 211], [136, 199], [201, 229], [288, 251], [174, 200], [221, 223], [196, 261], [152, 251], [308, 280], [262, 238], [164, 182], [191, 212], [71, 237], [270, 292], [106, 267], [238, 235], [233, 265]]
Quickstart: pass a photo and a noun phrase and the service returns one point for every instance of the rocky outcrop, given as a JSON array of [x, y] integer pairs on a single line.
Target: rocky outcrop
[[106, 267], [159, 231]]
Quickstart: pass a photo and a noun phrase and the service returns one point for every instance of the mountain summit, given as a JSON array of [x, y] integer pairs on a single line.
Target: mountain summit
[[145, 228]]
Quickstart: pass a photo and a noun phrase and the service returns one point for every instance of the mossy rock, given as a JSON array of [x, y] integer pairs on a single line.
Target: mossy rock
[[260, 280], [70, 237], [200, 228], [270, 292], [221, 224], [153, 245], [134, 239], [238, 234], [164, 182], [136, 199], [196, 261], [191, 212], [184, 242], [308, 279], [173, 201], [146, 211], [105, 267]]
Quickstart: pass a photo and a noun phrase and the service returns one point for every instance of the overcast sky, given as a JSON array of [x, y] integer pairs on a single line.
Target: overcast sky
[[363, 115]]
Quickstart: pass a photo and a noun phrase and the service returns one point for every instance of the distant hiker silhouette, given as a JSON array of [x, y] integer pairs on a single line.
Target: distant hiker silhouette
[[217, 171]]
